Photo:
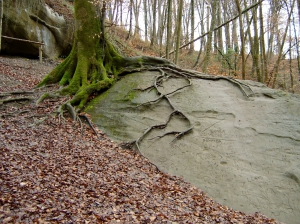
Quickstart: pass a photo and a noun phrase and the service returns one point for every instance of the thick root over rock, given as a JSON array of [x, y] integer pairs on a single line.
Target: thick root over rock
[[82, 74]]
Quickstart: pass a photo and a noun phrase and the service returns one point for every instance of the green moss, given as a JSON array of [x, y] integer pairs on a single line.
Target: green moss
[[130, 96], [84, 70]]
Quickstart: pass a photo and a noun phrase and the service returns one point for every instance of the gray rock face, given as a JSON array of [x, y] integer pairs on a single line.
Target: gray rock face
[[243, 152], [35, 21]]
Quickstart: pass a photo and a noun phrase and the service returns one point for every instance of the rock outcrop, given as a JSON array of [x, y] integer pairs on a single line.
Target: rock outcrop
[[34, 20], [243, 151]]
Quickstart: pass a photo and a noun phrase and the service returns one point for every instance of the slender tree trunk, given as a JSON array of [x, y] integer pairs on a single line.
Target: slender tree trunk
[[150, 18], [153, 36], [227, 27], [136, 10], [291, 61], [121, 12], [219, 31], [192, 7], [146, 19], [209, 37], [115, 13], [297, 46], [264, 63], [130, 19], [179, 24], [169, 28], [1, 16], [173, 31], [242, 38], [276, 67], [298, 4], [162, 18], [200, 9], [234, 38], [255, 49], [251, 41], [272, 24]]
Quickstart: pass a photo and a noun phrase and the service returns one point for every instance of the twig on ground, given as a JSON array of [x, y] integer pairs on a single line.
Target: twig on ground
[[15, 92], [15, 99]]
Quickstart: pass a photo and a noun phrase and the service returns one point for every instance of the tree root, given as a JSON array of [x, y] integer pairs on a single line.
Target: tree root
[[38, 121], [67, 107], [103, 73], [8, 96], [47, 96], [178, 134], [198, 75], [158, 82], [14, 113], [167, 72], [15, 99], [15, 92], [91, 125]]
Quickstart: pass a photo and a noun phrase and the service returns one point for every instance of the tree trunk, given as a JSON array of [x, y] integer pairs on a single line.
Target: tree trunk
[[297, 44], [298, 4], [162, 18], [242, 38], [193, 26], [210, 37], [130, 19], [153, 36], [227, 27], [136, 10], [291, 61], [93, 64], [179, 23], [255, 48], [1, 16], [276, 67], [263, 47], [219, 31], [146, 20], [169, 27]]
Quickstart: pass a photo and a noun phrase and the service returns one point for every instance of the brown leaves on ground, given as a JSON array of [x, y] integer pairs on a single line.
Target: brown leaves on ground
[[55, 172]]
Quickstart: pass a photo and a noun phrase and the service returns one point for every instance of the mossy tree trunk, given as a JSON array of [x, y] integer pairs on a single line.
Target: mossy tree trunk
[[93, 64]]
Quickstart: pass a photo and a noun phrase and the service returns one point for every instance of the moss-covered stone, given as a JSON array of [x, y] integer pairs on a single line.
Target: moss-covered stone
[[35, 21], [93, 65]]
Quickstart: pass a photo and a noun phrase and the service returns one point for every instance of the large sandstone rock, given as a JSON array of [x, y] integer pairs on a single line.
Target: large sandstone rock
[[244, 152], [34, 20]]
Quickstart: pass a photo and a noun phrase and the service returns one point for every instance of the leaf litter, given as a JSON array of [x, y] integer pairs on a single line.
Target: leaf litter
[[52, 171]]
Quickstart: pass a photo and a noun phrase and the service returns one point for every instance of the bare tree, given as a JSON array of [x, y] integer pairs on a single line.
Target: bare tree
[[136, 10], [210, 37], [264, 62], [192, 7], [280, 52], [153, 35], [1, 16], [178, 31], [169, 28], [255, 48], [242, 38], [146, 19]]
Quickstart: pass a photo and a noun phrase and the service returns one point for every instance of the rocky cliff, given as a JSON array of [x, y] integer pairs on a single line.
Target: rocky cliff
[[242, 151], [34, 20]]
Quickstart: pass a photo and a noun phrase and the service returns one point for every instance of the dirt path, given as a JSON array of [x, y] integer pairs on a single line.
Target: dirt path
[[53, 171]]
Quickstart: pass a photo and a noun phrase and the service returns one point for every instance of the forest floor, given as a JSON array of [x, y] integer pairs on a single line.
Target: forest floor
[[54, 171]]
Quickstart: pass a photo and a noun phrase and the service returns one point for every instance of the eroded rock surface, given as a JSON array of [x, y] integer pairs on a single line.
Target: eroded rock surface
[[35, 21], [244, 152]]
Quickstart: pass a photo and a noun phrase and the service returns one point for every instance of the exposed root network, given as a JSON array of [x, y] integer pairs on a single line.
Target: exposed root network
[[173, 72]]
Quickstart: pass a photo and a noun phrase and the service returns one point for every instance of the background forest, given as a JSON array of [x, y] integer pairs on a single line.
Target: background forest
[[257, 40]]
